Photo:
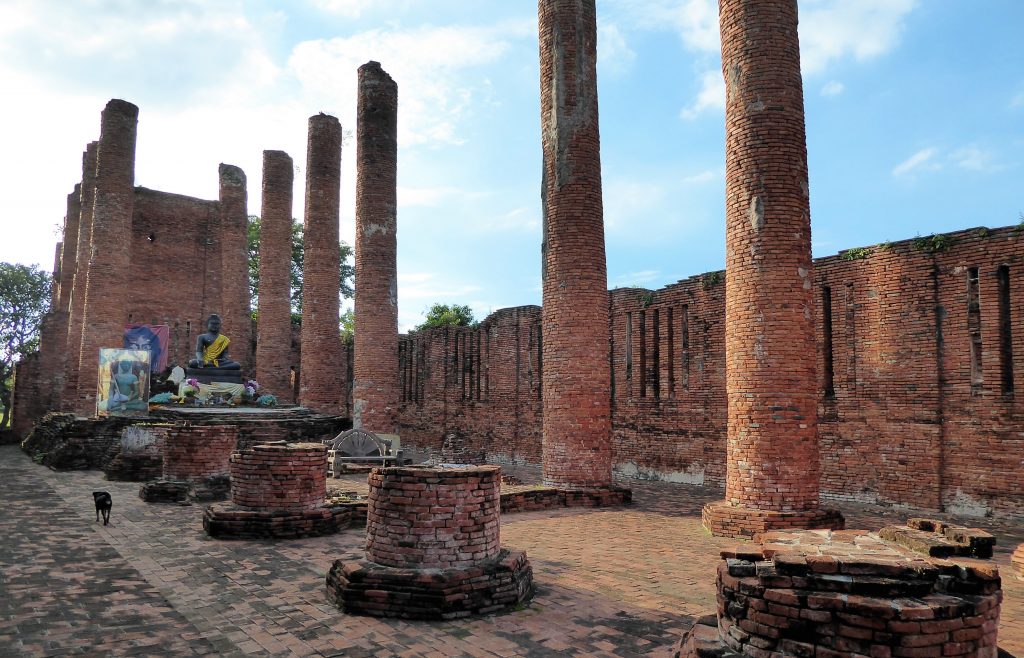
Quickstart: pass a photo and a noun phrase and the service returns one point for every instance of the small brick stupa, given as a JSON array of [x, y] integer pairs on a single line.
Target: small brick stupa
[[433, 548], [277, 491]]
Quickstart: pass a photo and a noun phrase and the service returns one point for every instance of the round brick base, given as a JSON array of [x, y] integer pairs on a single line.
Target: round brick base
[[725, 520], [228, 521], [366, 588]]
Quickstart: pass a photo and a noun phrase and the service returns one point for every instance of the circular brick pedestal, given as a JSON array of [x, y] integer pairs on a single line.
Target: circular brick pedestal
[[432, 548], [277, 491], [847, 593], [1017, 562], [196, 463], [725, 520]]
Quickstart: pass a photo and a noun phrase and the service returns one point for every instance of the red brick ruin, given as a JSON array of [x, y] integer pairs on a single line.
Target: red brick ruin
[[106, 292], [433, 548], [277, 491], [274, 325], [576, 382], [772, 475], [375, 394], [234, 252], [322, 381]]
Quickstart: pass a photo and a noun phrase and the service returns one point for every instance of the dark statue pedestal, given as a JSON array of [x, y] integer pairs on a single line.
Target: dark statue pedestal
[[210, 375]]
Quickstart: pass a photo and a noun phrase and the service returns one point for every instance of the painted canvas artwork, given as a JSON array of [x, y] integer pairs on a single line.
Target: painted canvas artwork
[[152, 337], [123, 386]]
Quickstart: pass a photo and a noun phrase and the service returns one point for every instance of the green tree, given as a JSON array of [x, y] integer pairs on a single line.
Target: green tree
[[24, 298], [443, 315], [347, 274]]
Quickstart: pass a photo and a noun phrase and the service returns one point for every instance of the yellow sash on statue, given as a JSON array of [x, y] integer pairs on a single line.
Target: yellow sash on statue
[[213, 351]]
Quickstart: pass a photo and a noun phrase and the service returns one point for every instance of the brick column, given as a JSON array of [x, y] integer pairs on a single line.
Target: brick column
[[234, 255], [69, 252], [273, 323], [321, 382], [375, 369], [576, 375], [109, 276], [58, 251], [771, 385], [62, 301], [76, 306]]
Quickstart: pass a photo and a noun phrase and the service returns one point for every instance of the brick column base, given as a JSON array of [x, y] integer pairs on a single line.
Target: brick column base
[[725, 520], [432, 548]]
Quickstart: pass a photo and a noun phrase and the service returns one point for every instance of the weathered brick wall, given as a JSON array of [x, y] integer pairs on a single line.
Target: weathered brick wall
[[176, 268], [197, 452], [321, 386], [483, 382], [375, 393], [27, 402], [888, 431], [577, 415], [274, 337]]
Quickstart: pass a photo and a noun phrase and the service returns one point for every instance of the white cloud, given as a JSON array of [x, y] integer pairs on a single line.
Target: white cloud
[[613, 53], [710, 98], [522, 219], [634, 278], [922, 160], [424, 285], [431, 65], [836, 29], [696, 21], [348, 8], [832, 88], [705, 176], [973, 158]]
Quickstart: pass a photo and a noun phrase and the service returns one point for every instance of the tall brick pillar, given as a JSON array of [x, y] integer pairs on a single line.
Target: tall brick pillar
[[234, 255], [771, 386], [109, 276], [63, 284], [76, 306], [576, 374], [321, 382], [273, 324], [69, 252], [58, 251], [375, 369]]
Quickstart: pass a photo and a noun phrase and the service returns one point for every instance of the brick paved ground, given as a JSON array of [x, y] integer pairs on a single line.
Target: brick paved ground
[[621, 582]]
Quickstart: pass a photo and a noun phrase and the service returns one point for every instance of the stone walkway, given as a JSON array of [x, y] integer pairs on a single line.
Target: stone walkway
[[618, 582]]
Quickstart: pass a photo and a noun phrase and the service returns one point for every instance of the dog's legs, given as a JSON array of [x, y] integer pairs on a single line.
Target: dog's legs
[[106, 516]]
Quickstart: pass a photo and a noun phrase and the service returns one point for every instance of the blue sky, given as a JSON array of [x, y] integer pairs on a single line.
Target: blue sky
[[914, 109]]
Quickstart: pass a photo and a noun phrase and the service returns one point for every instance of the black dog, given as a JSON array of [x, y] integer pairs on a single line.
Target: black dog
[[103, 504]]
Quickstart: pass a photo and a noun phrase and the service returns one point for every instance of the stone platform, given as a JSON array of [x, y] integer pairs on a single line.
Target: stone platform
[[725, 520], [844, 594], [1017, 562]]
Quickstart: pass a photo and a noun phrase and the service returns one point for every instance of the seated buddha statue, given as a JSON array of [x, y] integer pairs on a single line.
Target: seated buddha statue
[[212, 348]]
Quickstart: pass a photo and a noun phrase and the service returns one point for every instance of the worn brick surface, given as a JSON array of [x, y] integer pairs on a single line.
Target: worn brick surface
[[106, 294], [433, 517], [576, 382], [273, 341], [772, 443], [234, 254], [321, 386], [611, 582], [198, 452], [375, 392], [76, 308]]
